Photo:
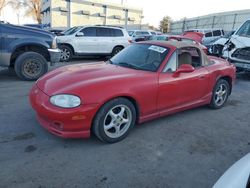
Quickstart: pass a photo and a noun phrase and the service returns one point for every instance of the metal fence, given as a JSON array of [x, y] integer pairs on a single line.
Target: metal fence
[[227, 21]]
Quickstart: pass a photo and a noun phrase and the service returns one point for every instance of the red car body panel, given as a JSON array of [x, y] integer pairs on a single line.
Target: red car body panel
[[196, 36], [98, 83]]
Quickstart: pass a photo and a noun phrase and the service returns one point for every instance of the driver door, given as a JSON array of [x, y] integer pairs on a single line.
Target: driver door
[[182, 89]]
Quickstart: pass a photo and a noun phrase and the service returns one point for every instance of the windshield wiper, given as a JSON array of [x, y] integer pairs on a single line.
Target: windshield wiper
[[125, 64]]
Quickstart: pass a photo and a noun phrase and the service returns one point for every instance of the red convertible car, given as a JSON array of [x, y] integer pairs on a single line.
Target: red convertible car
[[144, 81]]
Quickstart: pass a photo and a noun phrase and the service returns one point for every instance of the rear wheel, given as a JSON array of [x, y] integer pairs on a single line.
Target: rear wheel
[[116, 50], [114, 120], [220, 94], [30, 66], [66, 53]]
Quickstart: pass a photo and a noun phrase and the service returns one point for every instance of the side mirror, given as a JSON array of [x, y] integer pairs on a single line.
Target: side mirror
[[185, 68], [80, 34]]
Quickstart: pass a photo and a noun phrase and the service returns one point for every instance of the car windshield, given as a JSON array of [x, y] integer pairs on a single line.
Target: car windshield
[[130, 33], [244, 30], [71, 31], [145, 57]]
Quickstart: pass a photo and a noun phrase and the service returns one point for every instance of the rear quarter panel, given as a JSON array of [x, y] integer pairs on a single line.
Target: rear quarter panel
[[220, 68]]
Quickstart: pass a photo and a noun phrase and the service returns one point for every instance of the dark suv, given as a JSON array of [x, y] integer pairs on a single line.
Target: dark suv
[[28, 50]]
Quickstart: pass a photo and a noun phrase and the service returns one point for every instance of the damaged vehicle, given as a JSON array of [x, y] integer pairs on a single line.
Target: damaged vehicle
[[237, 49], [216, 47]]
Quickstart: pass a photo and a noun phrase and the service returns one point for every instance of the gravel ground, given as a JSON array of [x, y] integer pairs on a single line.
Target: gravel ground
[[188, 149]]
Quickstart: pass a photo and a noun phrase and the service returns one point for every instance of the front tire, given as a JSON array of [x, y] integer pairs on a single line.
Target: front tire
[[220, 94], [66, 53], [30, 66], [114, 120]]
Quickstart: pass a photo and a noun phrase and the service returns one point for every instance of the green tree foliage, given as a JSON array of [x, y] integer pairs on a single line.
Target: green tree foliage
[[165, 24]]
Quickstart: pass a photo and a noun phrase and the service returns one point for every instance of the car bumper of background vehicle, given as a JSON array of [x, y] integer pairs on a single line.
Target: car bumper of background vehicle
[[66, 123], [55, 55]]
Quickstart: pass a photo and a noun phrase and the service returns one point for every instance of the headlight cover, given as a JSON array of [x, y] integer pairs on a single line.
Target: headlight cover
[[65, 101]]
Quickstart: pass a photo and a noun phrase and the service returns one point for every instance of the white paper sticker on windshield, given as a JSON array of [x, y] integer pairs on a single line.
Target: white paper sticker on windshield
[[157, 49]]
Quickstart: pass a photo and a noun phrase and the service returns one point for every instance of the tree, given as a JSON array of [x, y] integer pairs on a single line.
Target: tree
[[34, 9], [165, 24], [2, 5]]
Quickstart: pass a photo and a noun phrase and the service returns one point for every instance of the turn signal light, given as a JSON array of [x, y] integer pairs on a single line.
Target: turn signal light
[[78, 117]]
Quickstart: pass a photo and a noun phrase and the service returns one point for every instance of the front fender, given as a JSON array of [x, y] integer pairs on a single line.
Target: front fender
[[26, 41]]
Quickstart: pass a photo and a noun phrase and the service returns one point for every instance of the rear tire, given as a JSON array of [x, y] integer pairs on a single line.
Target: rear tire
[[66, 53], [220, 94], [116, 50], [114, 120], [30, 66]]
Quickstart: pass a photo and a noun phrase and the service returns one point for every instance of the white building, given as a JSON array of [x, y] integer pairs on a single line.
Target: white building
[[68, 13], [226, 20]]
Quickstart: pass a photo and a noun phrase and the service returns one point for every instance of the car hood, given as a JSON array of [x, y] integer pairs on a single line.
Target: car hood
[[29, 31], [70, 78], [240, 41]]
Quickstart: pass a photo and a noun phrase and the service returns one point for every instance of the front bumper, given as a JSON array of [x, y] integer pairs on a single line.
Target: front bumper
[[66, 123], [55, 55]]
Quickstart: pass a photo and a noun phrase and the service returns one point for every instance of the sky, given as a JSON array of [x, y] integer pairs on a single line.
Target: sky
[[155, 10]]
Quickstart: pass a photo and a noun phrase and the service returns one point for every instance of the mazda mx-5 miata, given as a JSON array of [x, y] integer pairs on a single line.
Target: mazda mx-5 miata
[[144, 81]]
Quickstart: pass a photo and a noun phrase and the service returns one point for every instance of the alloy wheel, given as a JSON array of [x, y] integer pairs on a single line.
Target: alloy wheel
[[117, 121], [65, 54], [220, 95]]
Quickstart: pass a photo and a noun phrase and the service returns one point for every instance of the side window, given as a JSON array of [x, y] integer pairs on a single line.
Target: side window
[[138, 33], [191, 56], [209, 34], [171, 65], [103, 32], [145, 33], [217, 33], [89, 31], [117, 32]]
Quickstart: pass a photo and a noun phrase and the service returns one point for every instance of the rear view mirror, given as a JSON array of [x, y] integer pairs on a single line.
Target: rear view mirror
[[80, 34], [184, 68]]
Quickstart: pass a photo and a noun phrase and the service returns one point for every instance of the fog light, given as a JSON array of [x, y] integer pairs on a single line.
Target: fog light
[[58, 126]]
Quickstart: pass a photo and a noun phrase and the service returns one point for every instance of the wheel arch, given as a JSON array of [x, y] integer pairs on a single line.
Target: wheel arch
[[229, 81], [42, 50], [68, 45], [128, 97], [119, 46]]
